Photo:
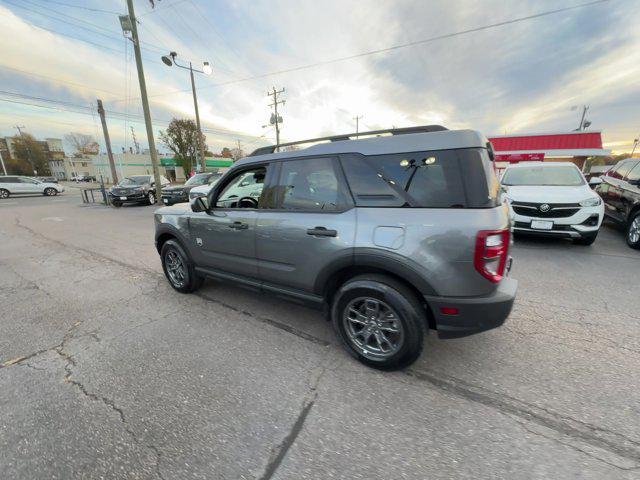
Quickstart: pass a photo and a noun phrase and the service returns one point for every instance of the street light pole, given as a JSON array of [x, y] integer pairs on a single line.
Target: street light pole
[[133, 28], [635, 144], [170, 60], [4, 169]]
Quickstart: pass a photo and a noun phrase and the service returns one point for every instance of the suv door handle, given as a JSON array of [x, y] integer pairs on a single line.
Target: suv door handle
[[322, 232], [239, 226]]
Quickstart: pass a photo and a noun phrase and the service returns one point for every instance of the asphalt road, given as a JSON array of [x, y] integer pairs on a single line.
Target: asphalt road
[[106, 372]]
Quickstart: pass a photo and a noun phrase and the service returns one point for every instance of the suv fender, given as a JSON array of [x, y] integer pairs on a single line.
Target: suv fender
[[378, 260]]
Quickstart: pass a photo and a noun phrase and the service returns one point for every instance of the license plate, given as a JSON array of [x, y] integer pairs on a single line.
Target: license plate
[[541, 225], [123, 198], [165, 200]]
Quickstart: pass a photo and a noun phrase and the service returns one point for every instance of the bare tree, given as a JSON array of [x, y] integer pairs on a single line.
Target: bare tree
[[82, 144]]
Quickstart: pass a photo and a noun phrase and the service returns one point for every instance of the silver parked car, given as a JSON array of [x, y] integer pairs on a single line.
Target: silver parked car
[[18, 185], [392, 234]]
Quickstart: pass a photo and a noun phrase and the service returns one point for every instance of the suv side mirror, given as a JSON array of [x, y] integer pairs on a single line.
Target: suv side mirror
[[594, 181], [200, 204]]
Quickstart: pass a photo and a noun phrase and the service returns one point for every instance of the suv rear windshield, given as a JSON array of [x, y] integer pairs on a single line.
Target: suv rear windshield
[[462, 178]]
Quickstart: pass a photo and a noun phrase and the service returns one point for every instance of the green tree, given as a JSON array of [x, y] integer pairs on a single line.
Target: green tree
[[30, 156], [181, 137]]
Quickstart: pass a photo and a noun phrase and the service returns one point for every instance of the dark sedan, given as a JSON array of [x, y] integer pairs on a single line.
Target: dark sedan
[[180, 193], [620, 191]]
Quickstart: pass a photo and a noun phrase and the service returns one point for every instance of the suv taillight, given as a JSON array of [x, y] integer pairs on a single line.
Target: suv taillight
[[491, 253]]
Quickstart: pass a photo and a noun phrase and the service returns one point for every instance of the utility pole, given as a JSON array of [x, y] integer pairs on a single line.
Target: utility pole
[[26, 145], [132, 27], [203, 161], [357, 119], [107, 141], [275, 118], [4, 169], [135, 142], [584, 113], [635, 145]]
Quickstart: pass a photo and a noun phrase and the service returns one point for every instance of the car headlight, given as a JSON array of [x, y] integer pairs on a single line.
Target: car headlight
[[591, 202]]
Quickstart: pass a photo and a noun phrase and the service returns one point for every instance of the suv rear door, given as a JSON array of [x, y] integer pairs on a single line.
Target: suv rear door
[[224, 237], [307, 224]]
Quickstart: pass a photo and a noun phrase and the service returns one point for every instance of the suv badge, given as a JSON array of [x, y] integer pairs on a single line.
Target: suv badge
[[198, 241], [544, 207]]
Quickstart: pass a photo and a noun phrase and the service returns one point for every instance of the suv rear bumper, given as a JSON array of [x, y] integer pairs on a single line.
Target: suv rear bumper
[[475, 314]]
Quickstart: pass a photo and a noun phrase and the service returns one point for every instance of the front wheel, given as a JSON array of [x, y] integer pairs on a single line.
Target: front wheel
[[4, 193], [151, 197], [116, 204], [633, 231], [50, 192], [379, 321], [178, 268]]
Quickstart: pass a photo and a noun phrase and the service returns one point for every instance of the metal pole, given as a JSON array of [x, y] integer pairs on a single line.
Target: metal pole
[[275, 103], [145, 101], [107, 141], [584, 112], [203, 162], [4, 169], [635, 144]]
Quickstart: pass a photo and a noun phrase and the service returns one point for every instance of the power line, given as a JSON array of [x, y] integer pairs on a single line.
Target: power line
[[397, 47], [91, 9]]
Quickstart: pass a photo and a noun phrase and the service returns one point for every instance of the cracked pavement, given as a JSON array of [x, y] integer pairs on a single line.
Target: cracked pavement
[[106, 372]]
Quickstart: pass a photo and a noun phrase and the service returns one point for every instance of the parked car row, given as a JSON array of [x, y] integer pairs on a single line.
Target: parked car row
[[20, 185], [180, 193], [554, 199]]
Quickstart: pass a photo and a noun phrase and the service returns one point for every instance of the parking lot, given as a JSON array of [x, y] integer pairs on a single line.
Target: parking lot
[[107, 372]]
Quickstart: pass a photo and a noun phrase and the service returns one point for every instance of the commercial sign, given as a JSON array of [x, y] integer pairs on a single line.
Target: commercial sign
[[519, 157]]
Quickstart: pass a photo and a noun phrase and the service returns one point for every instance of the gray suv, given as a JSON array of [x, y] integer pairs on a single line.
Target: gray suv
[[392, 234]]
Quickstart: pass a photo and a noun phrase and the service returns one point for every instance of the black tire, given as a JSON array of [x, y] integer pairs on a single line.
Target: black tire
[[151, 197], [191, 281], [4, 193], [50, 192], [632, 224], [586, 239], [116, 204], [405, 306]]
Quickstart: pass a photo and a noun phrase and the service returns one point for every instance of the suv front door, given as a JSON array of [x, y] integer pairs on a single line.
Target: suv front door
[[224, 237], [307, 224]]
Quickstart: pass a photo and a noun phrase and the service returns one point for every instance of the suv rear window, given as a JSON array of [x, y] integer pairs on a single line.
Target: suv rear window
[[621, 169], [432, 179]]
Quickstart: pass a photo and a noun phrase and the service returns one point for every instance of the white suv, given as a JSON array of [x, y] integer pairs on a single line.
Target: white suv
[[552, 199], [17, 185]]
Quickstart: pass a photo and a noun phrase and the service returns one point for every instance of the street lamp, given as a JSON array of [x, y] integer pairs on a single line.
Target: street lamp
[[170, 60]]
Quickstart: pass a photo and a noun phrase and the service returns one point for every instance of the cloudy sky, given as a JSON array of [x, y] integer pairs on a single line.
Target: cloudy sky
[[58, 56]]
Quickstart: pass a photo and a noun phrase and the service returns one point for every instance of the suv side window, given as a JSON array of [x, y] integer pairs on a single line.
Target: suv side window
[[634, 174], [621, 169], [420, 179], [243, 190], [310, 184]]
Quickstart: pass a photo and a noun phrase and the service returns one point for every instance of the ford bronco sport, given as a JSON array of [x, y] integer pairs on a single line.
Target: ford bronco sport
[[395, 233]]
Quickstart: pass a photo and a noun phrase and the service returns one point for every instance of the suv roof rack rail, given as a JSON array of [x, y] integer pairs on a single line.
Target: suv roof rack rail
[[336, 138]]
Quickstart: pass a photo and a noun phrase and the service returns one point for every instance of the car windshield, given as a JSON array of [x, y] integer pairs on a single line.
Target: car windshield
[[135, 180], [543, 176], [198, 179]]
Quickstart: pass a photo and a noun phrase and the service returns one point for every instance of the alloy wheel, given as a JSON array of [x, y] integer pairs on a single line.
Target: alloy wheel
[[4, 194], [176, 269], [373, 327], [152, 198], [634, 230]]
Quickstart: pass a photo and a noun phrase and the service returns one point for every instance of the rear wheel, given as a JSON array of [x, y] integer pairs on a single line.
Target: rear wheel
[[633, 231], [50, 192], [379, 321], [4, 193], [151, 197], [178, 268]]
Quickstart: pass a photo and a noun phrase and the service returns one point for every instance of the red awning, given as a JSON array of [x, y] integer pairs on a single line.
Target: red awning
[[556, 141]]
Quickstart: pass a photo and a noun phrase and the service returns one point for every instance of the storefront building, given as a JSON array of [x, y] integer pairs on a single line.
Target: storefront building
[[573, 147]]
